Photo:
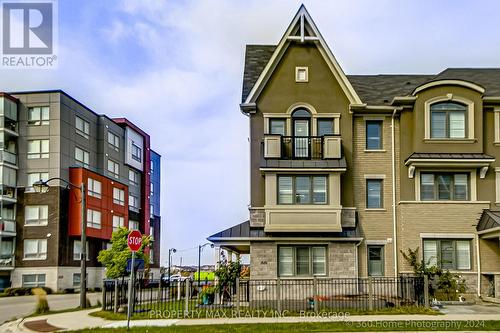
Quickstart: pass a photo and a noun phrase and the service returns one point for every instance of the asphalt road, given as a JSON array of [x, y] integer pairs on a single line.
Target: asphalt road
[[20, 306]]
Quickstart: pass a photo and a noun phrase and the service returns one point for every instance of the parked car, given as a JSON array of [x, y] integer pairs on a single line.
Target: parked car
[[175, 278]]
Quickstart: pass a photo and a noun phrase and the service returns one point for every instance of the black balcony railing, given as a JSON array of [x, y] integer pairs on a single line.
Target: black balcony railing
[[302, 147]]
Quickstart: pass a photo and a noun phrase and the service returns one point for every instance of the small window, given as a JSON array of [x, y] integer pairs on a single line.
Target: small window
[[454, 254], [277, 126], [114, 141], [133, 225], [325, 126], [38, 149], [82, 127], [448, 120], [151, 189], [77, 278], [151, 166], [36, 215], [34, 177], [118, 196], [374, 193], [375, 260], [444, 186], [301, 74], [114, 168], [82, 157], [133, 203], [33, 280], [35, 249], [77, 250], [133, 177], [118, 222], [38, 116], [373, 134], [93, 219], [136, 152], [302, 261], [94, 188], [302, 190]]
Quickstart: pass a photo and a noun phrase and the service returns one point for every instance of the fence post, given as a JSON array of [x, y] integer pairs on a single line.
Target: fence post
[[103, 296], [370, 293], [186, 304], [426, 291], [117, 301], [238, 294], [315, 294], [278, 294]]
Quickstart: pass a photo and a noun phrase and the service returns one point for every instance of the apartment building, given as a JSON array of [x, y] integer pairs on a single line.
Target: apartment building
[[50, 135], [347, 171]]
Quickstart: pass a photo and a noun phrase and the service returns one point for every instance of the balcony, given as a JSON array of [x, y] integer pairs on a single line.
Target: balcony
[[7, 227], [8, 157], [9, 126], [302, 152], [7, 262], [8, 193]]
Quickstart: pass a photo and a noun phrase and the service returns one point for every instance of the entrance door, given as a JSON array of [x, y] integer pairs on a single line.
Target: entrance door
[[301, 140]]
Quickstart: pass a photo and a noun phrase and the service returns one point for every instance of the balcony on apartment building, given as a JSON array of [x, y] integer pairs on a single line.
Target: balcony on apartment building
[[302, 151], [7, 227]]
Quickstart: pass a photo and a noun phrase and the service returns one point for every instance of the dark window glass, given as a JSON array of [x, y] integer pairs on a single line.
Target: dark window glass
[[374, 193], [277, 126], [325, 127], [375, 260], [302, 260], [301, 113], [373, 134], [302, 190]]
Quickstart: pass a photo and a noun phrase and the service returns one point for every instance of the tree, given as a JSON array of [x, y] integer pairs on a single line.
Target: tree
[[115, 258]]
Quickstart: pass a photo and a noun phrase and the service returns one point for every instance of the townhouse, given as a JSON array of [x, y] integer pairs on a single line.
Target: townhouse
[[347, 171], [50, 135]]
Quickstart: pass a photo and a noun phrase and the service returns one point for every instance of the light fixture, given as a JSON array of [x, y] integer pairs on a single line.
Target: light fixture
[[40, 186]]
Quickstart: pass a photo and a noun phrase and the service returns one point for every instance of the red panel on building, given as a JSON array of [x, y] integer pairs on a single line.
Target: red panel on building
[[104, 204]]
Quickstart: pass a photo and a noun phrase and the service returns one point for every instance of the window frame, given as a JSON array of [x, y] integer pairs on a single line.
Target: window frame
[[119, 200], [135, 200], [135, 181], [469, 124], [115, 142], [277, 120], [436, 174], [29, 185], [381, 194], [85, 131], [40, 255], [37, 283], [92, 190], [311, 261], [310, 192], [85, 155], [324, 120], [380, 124], [120, 220], [447, 126], [454, 241], [116, 166], [75, 258], [41, 221], [136, 149], [91, 213], [382, 256], [41, 153], [42, 120]]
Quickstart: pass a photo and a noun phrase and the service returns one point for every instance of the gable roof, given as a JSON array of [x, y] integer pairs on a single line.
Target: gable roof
[[489, 220], [301, 29]]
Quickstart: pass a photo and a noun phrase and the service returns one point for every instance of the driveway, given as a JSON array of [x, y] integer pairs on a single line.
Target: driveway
[[20, 306]]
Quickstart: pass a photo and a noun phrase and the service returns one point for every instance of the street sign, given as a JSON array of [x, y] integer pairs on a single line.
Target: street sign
[[134, 240], [138, 265]]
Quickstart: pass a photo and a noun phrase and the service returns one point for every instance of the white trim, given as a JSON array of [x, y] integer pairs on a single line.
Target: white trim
[[303, 170], [488, 230], [496, 124], [472, 185], [497, 185], [452, 98], [374, 176], [461, 83], [439, 162], [284, 239], [301, 68], [446, 235], [376, 242], [302, 15]]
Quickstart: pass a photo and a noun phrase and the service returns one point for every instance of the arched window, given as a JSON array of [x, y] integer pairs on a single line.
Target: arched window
[[448, 120], [301, 113]]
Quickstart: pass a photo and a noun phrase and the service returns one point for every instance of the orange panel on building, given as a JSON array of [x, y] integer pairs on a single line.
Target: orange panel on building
[[104, 204]]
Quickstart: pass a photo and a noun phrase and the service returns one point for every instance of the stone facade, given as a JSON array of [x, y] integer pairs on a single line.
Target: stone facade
[[257, 217], [342, 259]]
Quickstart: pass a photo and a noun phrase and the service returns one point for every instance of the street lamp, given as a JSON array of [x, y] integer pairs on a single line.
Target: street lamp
[[200, 247], [170, 251], [43, 187]]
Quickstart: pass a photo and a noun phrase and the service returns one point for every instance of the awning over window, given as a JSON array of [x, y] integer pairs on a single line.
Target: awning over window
[[489, 224]]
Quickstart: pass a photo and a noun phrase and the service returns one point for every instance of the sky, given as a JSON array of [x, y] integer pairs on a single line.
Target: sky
[[175, 68]]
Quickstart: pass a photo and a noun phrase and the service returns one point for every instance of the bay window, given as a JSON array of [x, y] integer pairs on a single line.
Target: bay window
[[302, 190]]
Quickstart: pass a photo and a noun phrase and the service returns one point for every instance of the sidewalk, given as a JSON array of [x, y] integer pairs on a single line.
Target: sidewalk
[[81, 319]]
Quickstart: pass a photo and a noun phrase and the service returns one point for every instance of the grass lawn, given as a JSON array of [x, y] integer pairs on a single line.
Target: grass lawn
[[318, 327]]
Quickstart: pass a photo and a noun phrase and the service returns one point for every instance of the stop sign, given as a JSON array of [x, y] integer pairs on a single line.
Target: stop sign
[[134, 240]]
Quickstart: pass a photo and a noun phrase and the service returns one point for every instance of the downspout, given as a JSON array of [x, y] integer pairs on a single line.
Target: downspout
[[357, 258], [394, 220], [478, 266]]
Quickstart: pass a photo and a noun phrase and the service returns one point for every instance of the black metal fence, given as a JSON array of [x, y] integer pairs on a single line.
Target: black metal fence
[[291, 295]]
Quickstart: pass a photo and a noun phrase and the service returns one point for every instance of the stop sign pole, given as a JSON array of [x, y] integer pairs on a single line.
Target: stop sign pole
[[134, 242]]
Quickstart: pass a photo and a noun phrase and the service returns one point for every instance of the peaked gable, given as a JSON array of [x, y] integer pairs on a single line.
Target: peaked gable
[[302, 29]]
